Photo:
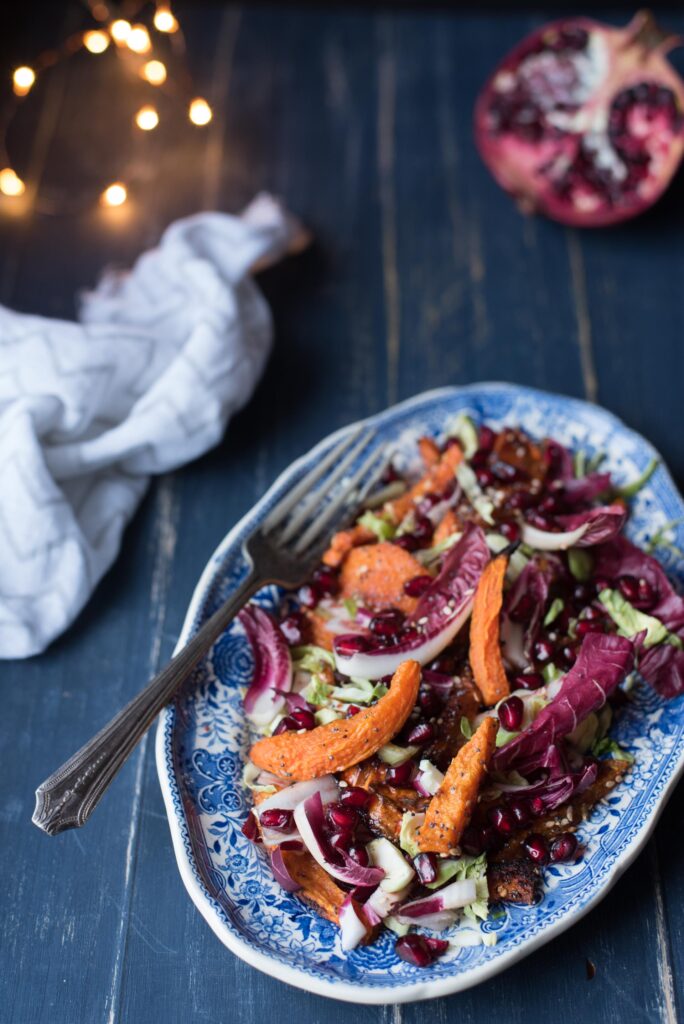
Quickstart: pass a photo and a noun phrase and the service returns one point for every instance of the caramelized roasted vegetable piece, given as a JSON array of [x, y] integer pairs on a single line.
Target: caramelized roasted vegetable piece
[[344, 742], [485, 643], [452, 806]]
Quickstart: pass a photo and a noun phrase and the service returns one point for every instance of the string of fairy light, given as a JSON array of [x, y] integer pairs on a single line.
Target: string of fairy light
[[132, 40]]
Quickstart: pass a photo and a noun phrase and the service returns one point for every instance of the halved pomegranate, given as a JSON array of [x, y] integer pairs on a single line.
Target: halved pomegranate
[[583, 122]]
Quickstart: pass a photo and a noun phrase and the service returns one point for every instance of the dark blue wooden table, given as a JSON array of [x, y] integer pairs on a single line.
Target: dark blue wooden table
[[423, 274]]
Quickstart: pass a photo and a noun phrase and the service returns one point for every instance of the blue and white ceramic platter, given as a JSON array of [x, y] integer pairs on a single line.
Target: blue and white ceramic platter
[[202, 740]]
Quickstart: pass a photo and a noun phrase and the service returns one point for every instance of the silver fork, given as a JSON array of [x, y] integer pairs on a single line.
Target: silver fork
[[284, 549]]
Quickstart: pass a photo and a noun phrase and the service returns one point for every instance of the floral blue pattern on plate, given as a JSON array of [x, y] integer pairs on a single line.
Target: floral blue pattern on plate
[[203, 737]]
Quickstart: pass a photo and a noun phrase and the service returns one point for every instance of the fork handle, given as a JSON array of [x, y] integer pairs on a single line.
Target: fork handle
[[67, 798]]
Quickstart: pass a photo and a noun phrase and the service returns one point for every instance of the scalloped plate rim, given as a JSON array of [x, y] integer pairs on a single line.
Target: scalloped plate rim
[[412, 991]]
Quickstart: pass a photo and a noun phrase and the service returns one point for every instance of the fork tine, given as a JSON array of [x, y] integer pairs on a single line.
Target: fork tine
[[309, 502], [376, 461], [277, 514]]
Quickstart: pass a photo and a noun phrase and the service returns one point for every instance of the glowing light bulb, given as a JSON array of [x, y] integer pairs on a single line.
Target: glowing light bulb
[[120, 30], [147, 118], [96, 41], [10, 183], [154, 72], [114, 195], [22, 80], [164, 20], [200, 112], [138, 39]]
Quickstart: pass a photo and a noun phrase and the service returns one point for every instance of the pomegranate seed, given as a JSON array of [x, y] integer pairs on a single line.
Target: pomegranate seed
[[582, 593], [511, 531], [543, 651], [341, 818], [304, 719], [564, 847], [536, 849], [504, 472], [277, 819], [401, 774], [250, 829], [520, 809], [341, 841], [292, 628], [568, 655], [352, 710], [387, 623], [354, 796], [522, 610], [585, 626], [438, 946], [414, 950], [309, 595], [503, 820], [602, 583], [426, 867], [550, 503], [429, 703], [535, 518], [360, 855], [327, 580], [470, 841], [485, 477], [420, 734], [287, 724], [511, 713], [537, 806], [407, 541], [445, 663], [529, 681], [417, 586], [487, 437], [646, 596], [479, 459], [350, 643], [590, 612], [629, 587], [519, 500], [422, 529]]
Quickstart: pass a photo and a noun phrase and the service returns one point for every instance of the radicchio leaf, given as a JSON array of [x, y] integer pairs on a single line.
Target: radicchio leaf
[[585, 489], [437, 618], [532, 586], [280, 872], [272, 665], [580, 530], [602, 663], [560, 785], [663, 665], [310, 822]]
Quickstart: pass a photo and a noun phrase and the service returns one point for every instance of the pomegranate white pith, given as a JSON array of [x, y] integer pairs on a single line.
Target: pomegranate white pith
[[584, 122]]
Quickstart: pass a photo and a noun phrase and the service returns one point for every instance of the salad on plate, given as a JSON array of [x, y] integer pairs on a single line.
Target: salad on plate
[[434, 707]]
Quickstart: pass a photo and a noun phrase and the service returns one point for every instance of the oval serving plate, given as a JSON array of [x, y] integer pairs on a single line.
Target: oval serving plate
[[202, 739]]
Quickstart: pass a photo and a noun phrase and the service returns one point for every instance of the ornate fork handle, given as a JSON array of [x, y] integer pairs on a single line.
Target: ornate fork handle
[[67, 798]]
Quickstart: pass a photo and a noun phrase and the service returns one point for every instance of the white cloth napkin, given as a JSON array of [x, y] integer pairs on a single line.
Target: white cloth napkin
[[162, 357]]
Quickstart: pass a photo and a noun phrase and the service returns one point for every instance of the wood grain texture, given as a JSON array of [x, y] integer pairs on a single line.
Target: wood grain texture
[[423, 274]]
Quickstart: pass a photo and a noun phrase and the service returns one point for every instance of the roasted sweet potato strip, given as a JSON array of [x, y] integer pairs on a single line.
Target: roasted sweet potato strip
[[435, 481], [344, 541], [448, 524], [344, 742], [485, 644], [429, 451], [376, 574], [317, 885], [452, 806]]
